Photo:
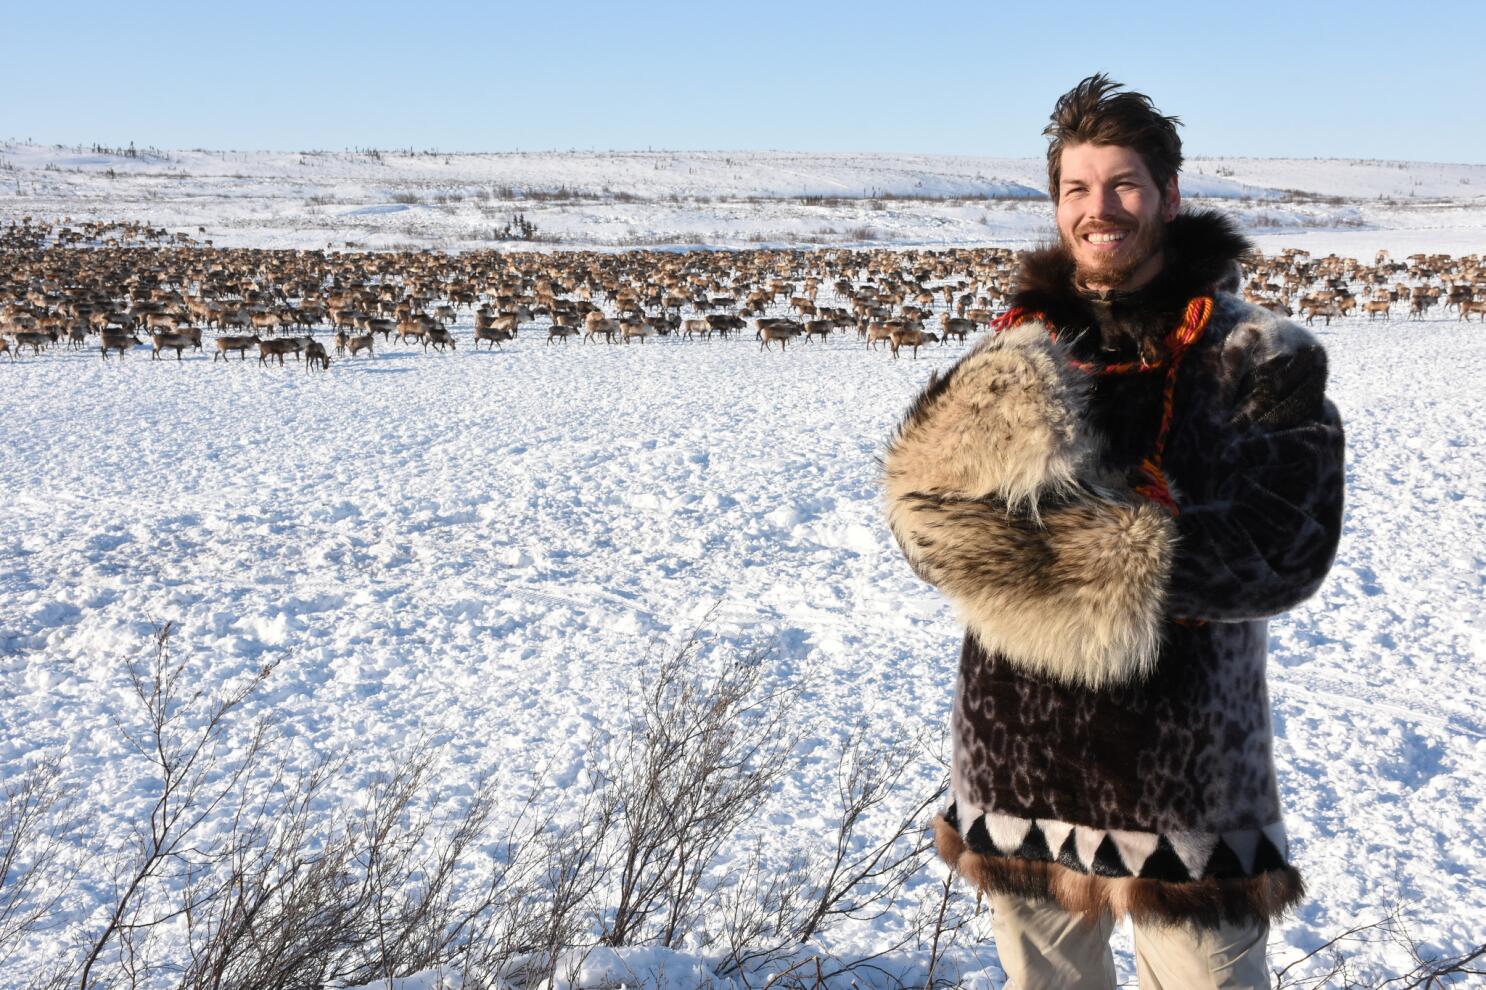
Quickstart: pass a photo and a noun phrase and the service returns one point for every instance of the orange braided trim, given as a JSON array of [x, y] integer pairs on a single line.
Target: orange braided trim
[[1016, 316], [1156, 487]]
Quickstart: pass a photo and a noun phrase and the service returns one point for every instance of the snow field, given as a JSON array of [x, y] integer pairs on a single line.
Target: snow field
[[325, 199], [481, 550]]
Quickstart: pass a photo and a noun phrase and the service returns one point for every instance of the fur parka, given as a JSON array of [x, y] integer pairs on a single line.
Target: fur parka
[[1112, 747]]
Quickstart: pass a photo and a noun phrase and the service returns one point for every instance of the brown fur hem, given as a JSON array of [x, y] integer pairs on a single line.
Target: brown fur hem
[[1205, 903]]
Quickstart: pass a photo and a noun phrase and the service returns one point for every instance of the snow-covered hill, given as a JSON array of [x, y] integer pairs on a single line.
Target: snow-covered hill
[[619, 199]]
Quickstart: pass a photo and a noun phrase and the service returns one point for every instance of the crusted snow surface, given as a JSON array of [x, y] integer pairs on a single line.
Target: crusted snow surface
[[483, 551]]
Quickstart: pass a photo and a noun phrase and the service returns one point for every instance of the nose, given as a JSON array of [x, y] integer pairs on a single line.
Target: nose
[[1102, 201]]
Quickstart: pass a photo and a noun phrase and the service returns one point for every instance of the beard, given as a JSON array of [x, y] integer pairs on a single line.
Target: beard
[[1114, 269]]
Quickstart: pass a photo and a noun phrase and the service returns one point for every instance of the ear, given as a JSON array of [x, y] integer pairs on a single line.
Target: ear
[[1171, 199]]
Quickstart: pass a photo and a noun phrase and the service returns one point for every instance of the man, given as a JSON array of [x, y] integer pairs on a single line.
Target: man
[[1116, 490]]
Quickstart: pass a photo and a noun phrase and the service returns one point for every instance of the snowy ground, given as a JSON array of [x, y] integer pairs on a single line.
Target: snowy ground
[[480, 549], [627, 199]]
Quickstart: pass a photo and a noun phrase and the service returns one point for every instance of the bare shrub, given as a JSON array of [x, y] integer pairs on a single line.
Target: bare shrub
[[700, 757], [190, 784], [248, 874], [1339, 969], [35, 826]]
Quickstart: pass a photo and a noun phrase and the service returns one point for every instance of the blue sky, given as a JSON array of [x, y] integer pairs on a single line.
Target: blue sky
[[1361, 79]]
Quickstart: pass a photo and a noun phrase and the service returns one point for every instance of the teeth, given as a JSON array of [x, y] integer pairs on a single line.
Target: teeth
[[1107, 238]]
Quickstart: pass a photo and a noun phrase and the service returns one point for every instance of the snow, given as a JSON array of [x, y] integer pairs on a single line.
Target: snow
[[481, 550], [719, 199]]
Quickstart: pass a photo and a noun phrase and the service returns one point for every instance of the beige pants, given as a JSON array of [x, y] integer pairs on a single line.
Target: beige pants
[[1043, 947]]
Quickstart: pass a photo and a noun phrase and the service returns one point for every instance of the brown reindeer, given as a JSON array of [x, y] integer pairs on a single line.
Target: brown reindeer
[[1314, 308], [278, 347], [819, 328], [169, 341], [411, 326], [909, 336], [360, 343], [495, 335], [780, 330], [225, 345], [120, 342], [314, 354], [608, 328], [953, 326], [35, 339], [630, 329]]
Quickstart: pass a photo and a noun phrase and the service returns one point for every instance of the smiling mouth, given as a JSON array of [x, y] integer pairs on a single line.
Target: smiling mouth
[[1105, 237]]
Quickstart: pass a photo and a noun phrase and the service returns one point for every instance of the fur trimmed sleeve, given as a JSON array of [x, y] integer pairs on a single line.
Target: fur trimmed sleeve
[[991, 496], [1265, 532]]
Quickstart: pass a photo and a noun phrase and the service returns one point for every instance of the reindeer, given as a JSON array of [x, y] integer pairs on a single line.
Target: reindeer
[[493, 334], [341, 339], [802, 306], [411, 326], [360, 343], [314, 354], [953, 326], [725, 323], [120, 342], [1314, 308], [630, 329], [234, 343], [1375, 306], [561, 331], [5, 348], [35, 339], [278, 348], [165, 341], [439, 338], [266, 321], [881, 331], [912, 335], [608, 328], [780, 330], [819, 328]]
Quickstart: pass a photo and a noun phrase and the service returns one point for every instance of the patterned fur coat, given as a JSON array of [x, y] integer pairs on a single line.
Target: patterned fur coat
[[1111, 731]]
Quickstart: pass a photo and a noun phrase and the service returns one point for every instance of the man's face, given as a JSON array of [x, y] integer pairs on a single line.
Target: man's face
[[1111, 216]]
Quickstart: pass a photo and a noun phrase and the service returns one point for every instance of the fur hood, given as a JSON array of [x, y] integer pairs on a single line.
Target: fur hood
[[1202, 252]]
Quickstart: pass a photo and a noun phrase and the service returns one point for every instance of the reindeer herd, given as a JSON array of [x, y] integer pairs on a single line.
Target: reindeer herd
[[119, 287]]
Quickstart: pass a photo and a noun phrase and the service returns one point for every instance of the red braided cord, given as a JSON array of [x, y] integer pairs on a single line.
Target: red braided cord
[[1194, 321], [1015, 316]]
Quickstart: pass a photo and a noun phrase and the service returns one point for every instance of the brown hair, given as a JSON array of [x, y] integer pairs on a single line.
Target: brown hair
[[1101, 111]]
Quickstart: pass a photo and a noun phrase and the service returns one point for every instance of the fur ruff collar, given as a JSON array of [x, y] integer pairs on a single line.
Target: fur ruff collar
[[1202, 251]]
